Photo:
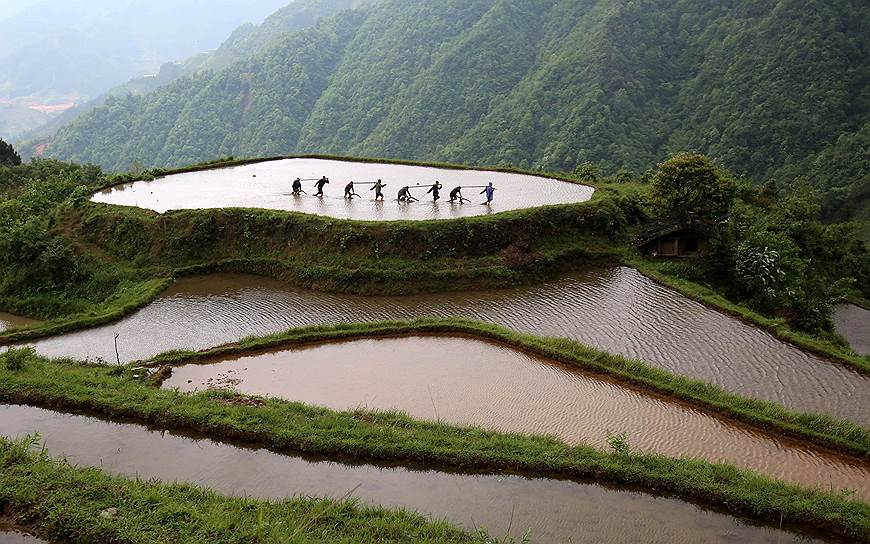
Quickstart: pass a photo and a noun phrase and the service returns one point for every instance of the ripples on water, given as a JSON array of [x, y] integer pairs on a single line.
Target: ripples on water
[[617, 310], [557, 511], [853, 323], [470, 382], [267, 185]]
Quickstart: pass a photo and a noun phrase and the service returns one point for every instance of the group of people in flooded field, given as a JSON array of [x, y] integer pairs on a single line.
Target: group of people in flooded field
[[404, 193]]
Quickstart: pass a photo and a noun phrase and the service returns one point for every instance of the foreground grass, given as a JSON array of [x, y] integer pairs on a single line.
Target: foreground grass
[[64, 504], [777, 327], [359, 435]]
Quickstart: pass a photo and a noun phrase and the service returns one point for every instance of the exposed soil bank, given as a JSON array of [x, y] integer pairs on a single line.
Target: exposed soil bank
[[616, 310], [557, 511], [853, 323], [266, 185], [473, 383]]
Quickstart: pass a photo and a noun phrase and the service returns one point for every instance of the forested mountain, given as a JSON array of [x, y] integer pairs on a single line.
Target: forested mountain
[[244, 41], [774, 90]]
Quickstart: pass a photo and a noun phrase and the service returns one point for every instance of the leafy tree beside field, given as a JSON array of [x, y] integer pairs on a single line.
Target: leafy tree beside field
[[771, 252]]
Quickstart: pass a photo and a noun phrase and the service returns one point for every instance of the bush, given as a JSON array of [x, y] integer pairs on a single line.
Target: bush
[[15, 358]]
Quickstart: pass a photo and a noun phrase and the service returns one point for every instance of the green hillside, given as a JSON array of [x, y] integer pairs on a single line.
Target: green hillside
[[775, 90]]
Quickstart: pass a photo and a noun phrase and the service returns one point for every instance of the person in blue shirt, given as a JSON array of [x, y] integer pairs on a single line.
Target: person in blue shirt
[[489, 190]]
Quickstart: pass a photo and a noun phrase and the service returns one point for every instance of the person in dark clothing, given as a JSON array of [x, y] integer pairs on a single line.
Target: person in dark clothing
[[456, 194], [320, 183], [297, 187], [434, 190], [405, 194], [349, 192], [377, 188], [488, 190]]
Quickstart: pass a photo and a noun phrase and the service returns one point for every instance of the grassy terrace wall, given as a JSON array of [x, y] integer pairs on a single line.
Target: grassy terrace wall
[[116, 392], [63, 503]]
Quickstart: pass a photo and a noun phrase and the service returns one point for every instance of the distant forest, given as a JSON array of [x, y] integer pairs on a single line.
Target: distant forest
[[776, 91]]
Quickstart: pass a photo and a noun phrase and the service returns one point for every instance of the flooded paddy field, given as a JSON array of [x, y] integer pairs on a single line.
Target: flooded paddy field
[[614, 309], [268, 185], [470, 382], [12, 535], [10, 321], [853, 323], [555, 510]]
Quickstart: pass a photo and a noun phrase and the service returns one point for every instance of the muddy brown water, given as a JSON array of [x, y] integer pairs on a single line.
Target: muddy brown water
[[853, 323], [616, 309], [469, 382], [267, 185], [555, 510], [10, 321]]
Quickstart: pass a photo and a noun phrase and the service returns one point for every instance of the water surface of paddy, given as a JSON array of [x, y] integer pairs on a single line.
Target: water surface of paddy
[[10, 321], [556, 511], [853, 323], [617, 310], [469, 382], [268, 185], [11, 535]]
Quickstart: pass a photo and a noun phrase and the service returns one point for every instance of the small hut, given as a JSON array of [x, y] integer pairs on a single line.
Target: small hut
[[669, 237]]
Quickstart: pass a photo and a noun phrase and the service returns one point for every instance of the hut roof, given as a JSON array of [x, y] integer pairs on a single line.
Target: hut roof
[[664, 226]]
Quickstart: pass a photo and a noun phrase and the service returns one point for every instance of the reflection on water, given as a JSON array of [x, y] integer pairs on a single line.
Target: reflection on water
[[267, 185], [556, 511], [469, 382], [853, 323], [617, 310]]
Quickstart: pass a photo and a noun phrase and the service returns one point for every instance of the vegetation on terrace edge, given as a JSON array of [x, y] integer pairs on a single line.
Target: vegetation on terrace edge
[[828, 432], [83, 263], [122, 392], [64, 503]]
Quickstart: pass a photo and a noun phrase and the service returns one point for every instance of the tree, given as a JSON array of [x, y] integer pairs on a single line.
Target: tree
[[690, 184], [586, 171], [8, 155]]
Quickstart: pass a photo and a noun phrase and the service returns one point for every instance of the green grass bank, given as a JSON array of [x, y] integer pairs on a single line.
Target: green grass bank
[[64, 504], [114, 392]]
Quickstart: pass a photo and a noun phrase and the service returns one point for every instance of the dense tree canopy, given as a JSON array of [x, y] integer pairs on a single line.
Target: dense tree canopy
[[691, 185]]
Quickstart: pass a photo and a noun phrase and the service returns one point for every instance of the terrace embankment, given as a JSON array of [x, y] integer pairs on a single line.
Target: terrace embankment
[[555, 510], [616, 310], [469, 382]]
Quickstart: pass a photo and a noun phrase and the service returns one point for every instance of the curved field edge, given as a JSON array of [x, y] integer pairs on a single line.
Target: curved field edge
[[289, 427], [229, 162], [64, 503], [710, 298], [843, 436], [396, 258], [506, 249]]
